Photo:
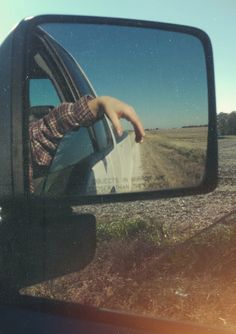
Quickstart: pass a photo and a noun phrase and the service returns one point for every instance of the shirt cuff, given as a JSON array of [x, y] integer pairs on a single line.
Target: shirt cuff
[[85, 116]]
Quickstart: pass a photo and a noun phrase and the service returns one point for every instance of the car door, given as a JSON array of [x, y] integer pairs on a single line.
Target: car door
[[81, 164]]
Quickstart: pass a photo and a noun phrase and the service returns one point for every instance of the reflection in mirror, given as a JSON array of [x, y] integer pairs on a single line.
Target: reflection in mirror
[[162, 74]]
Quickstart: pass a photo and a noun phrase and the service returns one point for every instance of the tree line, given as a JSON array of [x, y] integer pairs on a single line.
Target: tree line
[[226, 123]]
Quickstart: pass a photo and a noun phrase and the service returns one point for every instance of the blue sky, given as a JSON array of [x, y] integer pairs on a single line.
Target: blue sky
[[216, 17], [161, 74]]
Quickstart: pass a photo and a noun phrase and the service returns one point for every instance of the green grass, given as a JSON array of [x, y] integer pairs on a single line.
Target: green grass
[[149, 231], [121, 229]]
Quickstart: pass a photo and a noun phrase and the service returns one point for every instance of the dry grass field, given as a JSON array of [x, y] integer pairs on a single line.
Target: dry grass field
[[173, 258], [173, 157]]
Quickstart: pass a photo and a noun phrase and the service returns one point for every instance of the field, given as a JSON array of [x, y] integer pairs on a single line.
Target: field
[[173, 259], [173, 157]]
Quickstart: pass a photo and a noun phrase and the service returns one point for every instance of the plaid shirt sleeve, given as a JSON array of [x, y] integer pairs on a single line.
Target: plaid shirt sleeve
[[46, 133]]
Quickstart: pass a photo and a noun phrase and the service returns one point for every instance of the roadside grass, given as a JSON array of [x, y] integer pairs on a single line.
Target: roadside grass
[[185, 149], [210, 250], [121, 230], [182, 281], [189, 142], [132, 229], [173, 157]]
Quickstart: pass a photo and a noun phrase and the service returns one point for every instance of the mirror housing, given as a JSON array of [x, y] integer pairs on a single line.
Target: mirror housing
[[14, 169]]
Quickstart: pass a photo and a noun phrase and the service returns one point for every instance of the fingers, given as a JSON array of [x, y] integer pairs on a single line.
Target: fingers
[[138, 127], [116, 109], [114, 118]]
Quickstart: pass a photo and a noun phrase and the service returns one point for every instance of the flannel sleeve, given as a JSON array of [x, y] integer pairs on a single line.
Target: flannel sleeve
[[45, 134]]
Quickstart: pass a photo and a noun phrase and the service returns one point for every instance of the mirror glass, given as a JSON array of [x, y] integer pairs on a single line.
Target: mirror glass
[[161, 74]]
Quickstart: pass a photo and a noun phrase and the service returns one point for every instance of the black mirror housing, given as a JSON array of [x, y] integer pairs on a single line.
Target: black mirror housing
[[14, 118]]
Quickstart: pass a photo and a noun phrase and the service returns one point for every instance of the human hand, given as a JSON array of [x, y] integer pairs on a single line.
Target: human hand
[[116, 109]]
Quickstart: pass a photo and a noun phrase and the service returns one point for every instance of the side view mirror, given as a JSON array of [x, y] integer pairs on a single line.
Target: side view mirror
[[164, 71]]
